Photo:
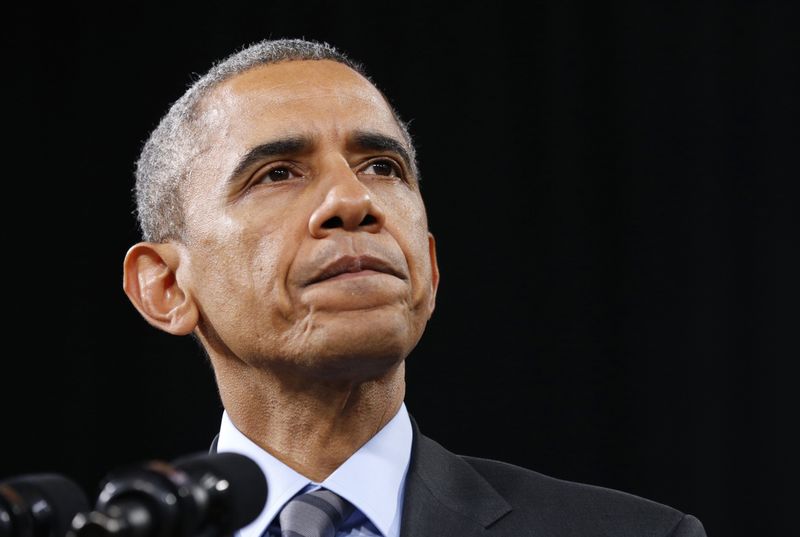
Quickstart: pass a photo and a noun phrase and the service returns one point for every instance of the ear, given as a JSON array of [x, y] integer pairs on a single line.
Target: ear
[[434, 272], [151, 283]]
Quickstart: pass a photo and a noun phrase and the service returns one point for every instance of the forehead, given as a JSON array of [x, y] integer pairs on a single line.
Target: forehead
[[320, 98]]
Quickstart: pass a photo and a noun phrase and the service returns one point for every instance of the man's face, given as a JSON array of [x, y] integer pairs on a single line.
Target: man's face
[[306, 233]]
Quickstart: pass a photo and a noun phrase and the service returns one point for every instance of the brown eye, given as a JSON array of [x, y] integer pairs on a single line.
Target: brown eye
[[383, 167], [276, 174]]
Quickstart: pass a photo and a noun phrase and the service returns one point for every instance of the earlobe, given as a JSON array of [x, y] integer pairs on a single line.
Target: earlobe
[[151, 283], [434, 271]]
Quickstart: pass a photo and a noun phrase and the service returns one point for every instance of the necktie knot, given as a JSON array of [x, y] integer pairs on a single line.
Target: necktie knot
[[314, 514]]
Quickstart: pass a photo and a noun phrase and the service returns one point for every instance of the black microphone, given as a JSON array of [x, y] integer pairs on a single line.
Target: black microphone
[[198, 496], [39, 505]]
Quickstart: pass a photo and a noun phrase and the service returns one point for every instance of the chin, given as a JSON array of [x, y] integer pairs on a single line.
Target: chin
[[361, 351]]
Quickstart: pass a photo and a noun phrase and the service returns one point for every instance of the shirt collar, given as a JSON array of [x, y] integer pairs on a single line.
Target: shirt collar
[[372, 478]]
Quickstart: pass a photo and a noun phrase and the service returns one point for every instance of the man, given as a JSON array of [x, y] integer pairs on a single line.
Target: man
[[285, 229]]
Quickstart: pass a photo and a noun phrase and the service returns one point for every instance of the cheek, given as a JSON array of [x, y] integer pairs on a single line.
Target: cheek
[[403, 207], [242, 269], [421, 273], [407, 222]]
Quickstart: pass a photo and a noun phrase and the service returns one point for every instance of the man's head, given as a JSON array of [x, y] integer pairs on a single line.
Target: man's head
[[285, 227], [169, 153]]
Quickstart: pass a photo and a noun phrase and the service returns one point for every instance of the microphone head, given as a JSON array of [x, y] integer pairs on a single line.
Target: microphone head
[[51, 500], [239, 485]]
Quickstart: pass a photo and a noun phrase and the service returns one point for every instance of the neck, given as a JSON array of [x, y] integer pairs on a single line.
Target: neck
[[311, 425]]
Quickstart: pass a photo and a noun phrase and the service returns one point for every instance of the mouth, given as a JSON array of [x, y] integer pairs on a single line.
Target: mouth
[[353, 266]]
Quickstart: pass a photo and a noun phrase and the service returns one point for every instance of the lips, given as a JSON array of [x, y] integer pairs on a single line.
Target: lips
[[350, 263]]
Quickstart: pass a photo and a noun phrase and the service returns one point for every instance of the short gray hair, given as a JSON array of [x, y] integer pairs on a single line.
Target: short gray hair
[[164, 163]]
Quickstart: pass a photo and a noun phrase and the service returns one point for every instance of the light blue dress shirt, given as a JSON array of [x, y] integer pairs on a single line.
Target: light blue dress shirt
[[372, 479]]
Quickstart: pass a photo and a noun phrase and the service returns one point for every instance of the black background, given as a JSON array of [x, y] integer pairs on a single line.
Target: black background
[[610, 185]]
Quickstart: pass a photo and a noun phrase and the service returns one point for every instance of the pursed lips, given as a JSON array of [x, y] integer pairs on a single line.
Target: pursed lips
[[352, 264]]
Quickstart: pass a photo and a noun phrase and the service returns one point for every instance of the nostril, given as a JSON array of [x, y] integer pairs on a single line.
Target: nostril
[[368, 220], [333, 222]]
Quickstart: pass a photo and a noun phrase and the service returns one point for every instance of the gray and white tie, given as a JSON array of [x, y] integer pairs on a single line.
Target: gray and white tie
[[314, 514]]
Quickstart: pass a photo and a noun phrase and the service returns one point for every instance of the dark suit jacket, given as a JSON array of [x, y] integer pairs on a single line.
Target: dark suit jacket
[[449, 495]]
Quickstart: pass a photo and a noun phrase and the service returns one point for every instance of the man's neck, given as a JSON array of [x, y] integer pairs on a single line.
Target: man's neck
[[311, 426]]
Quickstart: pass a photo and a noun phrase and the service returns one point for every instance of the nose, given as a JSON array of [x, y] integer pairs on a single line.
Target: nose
[[348, 205]]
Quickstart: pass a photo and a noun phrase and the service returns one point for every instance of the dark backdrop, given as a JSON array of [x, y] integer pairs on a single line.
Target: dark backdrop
[[610, 190]]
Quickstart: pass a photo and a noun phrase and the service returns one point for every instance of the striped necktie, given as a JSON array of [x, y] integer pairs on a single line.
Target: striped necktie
[[314, 514]]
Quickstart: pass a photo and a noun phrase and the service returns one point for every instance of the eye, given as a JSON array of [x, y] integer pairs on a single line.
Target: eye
[[274, 174], [384, 167]]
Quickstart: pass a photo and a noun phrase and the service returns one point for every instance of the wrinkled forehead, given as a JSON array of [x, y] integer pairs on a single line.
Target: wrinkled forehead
[[309, 97]]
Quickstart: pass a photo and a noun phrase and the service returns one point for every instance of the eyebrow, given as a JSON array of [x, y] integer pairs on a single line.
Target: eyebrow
[[276, 148], [361, 140], [375, 141]]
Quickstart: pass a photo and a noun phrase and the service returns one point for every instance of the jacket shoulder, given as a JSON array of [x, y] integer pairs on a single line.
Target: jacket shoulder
[[541, 501]]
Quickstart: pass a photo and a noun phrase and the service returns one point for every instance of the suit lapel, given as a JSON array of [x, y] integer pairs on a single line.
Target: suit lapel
[[445, 496]]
